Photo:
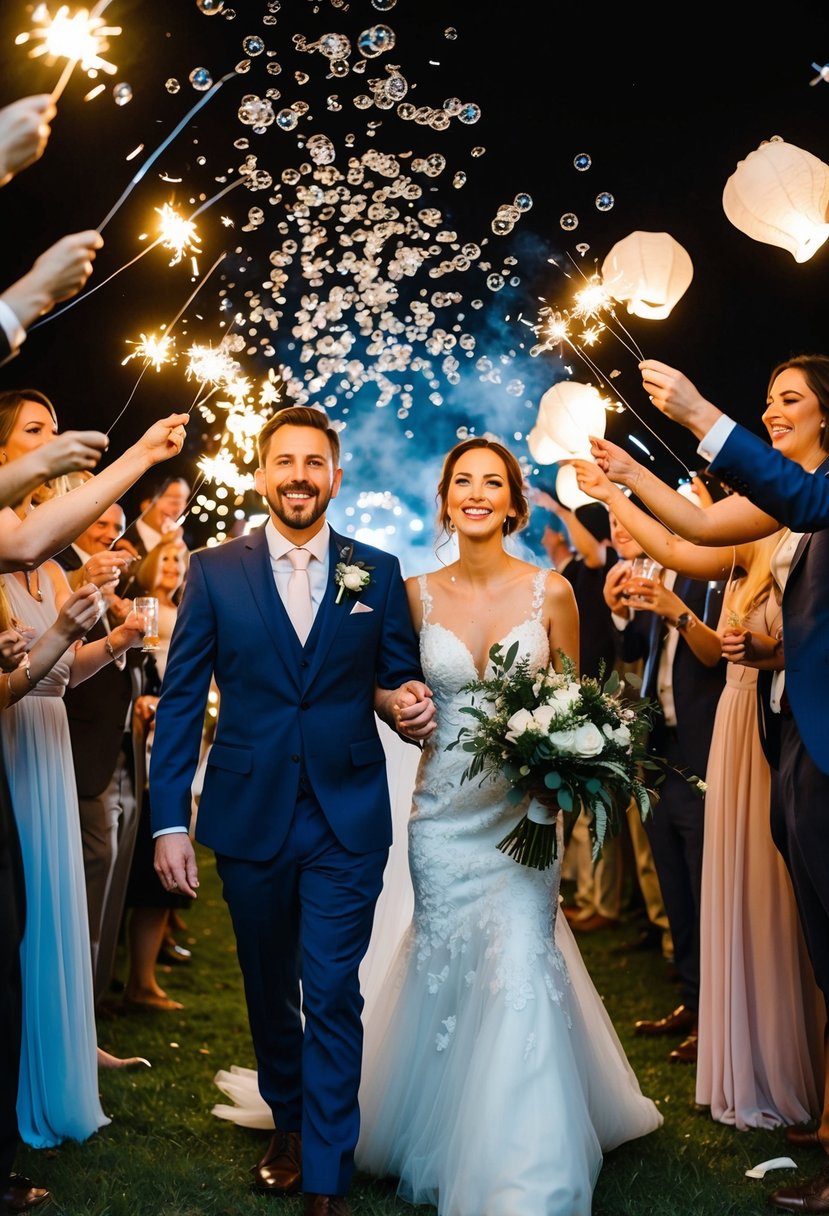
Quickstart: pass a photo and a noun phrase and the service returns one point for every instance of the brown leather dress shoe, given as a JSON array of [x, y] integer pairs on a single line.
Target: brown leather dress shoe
[[592, 923], [21, 1195], [327, 1205], [812, 1196], [800, 1137], [686, 1053], [280, 1170], [681, 1020]]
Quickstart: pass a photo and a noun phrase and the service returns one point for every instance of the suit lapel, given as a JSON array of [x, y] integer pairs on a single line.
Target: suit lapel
[[256, 564]]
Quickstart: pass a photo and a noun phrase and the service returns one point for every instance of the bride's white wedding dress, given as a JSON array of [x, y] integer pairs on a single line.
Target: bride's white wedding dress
[[493, 1080]]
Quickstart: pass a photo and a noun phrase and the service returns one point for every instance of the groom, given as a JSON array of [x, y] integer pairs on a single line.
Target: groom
[[307, 635]]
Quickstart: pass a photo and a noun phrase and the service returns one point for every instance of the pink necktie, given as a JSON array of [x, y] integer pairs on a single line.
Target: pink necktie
[[300, 608]]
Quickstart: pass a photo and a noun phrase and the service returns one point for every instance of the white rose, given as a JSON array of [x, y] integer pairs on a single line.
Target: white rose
[[353, 578], [588, 741], [520, 722], [620, 734], [564, 740], [567, 696], [544, 715]]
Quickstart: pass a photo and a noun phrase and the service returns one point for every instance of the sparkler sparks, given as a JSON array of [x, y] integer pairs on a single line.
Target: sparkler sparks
[[156, 351], [177, 234], [80, 38]]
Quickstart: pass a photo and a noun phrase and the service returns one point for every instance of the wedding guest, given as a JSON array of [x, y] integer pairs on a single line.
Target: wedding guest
[[58, 1091], [751, 944], [787, 485]]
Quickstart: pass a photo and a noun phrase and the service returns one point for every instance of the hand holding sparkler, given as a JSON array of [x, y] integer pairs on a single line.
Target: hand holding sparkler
[[24, 132], [60, 272]]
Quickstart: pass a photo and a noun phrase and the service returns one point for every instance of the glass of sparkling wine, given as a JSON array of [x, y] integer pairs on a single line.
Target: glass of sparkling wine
[[147, 608]]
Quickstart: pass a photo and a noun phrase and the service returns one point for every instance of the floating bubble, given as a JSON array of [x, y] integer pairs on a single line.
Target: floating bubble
[[274, 68], [242, 66], [450, 33], [286, 119], [210, 8], [582, 248], [523, 202], [383, 6], [604, 201], [253, 44], [256, 111], [122, 93], [582, 161], [477, 151], [459, 180], [172, 85], [469, 113], [495, 282], [569, 221], [200, 79], [321, 150], [334, 46], [376, 40], [501, 226]]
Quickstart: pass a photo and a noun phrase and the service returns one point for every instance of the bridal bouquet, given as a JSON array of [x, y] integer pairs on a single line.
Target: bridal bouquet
[[574, 741]]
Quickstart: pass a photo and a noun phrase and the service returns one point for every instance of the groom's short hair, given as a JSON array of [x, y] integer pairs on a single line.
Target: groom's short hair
[[298, 415]]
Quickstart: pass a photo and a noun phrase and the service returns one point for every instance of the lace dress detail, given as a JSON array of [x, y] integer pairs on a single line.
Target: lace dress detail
[[487, 1008]]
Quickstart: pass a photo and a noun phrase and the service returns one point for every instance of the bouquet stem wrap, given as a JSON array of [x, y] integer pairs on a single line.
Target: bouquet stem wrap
[[534, 840]]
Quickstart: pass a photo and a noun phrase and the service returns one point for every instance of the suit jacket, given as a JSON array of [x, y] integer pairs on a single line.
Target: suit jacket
[[98, 708], [696, 688], [801, 501], [285, 711]]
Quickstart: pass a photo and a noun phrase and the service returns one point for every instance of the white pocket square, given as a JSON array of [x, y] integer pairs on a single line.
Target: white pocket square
[[359, 606]]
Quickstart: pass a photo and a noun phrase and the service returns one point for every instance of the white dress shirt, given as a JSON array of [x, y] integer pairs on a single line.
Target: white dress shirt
[[12, 328]]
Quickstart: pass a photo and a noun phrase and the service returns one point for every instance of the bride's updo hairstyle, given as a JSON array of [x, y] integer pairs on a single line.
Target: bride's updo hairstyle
[[515, 481]]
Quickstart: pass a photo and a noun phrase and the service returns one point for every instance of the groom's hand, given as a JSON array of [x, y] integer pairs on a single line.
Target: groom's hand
[[175, 863]]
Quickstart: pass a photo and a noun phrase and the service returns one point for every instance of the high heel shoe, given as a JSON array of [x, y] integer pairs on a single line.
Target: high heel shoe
[[105, 1060]]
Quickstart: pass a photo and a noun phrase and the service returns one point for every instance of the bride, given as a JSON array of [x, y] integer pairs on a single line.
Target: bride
[[493, 1080]]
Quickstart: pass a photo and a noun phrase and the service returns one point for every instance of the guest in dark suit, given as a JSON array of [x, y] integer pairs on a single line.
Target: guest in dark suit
[[305, 642], [685, 675], [785, 484], [99, 712]]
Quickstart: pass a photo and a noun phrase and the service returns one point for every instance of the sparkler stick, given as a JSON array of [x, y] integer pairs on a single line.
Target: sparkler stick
[[81, 38], [165, 144]]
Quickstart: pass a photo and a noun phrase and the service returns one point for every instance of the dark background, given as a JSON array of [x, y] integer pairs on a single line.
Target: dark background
[[665, 104]]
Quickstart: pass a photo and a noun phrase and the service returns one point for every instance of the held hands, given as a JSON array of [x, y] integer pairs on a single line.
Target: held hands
[[175, 863], [736, 644], [143, 710], [24, 133], [413, 710]]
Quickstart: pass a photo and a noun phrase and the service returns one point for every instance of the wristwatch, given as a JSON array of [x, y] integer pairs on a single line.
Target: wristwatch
[[685, 620]]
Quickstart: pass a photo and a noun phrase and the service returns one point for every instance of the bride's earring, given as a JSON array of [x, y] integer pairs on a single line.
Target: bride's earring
[[450, 527], [3, 457]]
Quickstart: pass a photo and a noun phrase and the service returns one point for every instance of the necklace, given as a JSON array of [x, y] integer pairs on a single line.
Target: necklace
[[35, 593]]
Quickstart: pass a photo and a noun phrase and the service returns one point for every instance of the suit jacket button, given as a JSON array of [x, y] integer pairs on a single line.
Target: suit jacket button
[[304, 704], [295, 759], [304, 663]]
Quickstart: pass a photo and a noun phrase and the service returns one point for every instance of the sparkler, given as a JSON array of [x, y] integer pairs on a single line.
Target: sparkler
[[153, 157], [157, 351], [80, 38]]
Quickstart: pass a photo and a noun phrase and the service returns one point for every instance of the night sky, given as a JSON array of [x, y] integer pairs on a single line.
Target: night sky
[[418, 359]]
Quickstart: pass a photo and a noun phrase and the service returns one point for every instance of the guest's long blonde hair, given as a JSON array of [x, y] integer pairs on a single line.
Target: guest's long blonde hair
[[753, 588]]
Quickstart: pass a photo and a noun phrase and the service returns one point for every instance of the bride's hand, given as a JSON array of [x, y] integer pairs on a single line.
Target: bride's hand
[[414, 710]]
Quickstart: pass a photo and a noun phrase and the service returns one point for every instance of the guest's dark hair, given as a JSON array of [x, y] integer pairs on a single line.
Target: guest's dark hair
[[515, 481], [298, 415], [815, 370]]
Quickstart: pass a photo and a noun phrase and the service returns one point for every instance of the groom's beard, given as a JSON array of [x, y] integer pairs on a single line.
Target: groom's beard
[[299, 515]]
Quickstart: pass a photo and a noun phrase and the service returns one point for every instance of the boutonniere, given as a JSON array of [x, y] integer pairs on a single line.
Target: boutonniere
[[349, 575]]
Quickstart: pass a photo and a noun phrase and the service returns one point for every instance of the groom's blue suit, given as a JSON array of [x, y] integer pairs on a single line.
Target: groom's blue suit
[[295, 804], [800, 785]]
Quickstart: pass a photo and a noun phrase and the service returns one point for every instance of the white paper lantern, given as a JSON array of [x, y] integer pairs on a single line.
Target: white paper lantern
[[649, 272], [567, 489], [780, 195], [568, 414]]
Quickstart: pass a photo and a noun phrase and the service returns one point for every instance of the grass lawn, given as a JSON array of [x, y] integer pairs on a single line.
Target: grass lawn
[[165, 1154]]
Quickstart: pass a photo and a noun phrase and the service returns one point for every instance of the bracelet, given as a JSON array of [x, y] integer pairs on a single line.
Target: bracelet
[[24, 663], [118, 659]]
